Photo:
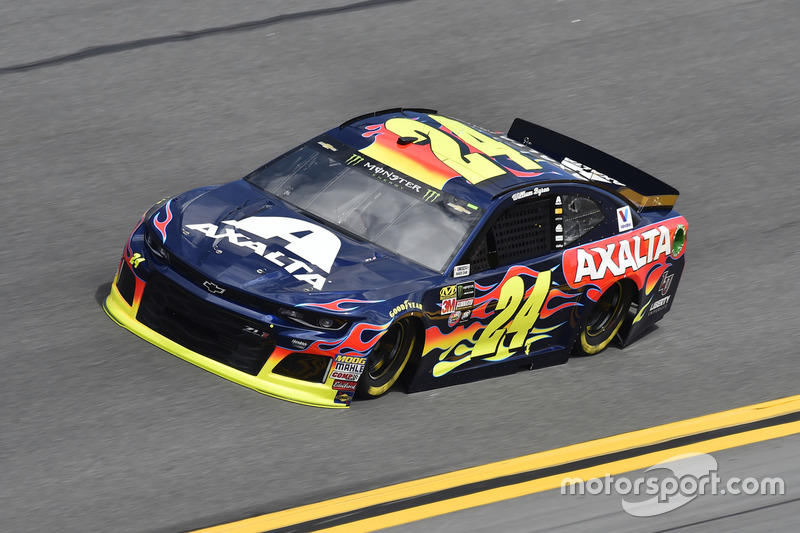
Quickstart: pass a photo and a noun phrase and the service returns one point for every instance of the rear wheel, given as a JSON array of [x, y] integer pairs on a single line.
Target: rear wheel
[[387, 360], [605, 320]]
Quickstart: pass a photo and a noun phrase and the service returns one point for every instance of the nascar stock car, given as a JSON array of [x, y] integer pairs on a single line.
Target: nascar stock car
[[403, 246]]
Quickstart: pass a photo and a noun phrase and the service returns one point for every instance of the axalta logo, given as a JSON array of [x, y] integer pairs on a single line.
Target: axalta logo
[[317, 246], [617, 256]]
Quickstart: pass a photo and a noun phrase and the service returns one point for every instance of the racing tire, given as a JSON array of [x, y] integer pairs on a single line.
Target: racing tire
[[605, 320], [387, 360]]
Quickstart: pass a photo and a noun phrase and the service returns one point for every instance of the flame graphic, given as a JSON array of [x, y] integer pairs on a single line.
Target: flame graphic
[[338, 305], [454, 349], [555, 293], [162, 226], [413, 159], [363, 337], [418, 159], [654, 275]]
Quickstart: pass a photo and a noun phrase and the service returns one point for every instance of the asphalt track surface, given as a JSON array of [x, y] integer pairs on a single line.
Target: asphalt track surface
[[713, 511], [107, 107]]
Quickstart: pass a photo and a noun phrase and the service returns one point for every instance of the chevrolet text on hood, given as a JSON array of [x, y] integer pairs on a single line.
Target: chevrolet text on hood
[[403, 244]]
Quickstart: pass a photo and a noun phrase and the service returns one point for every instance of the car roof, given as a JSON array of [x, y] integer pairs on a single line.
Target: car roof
[[449, 154]]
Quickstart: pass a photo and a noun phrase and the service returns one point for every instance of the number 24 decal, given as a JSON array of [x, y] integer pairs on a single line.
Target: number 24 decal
[[511, 307]]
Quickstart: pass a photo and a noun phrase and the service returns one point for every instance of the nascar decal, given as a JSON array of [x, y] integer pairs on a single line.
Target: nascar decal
[[508, 329], [439, 154], [631, 255], [317, 246]]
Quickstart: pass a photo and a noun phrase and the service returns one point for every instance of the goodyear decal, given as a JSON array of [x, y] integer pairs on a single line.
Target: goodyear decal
[[405, 306]]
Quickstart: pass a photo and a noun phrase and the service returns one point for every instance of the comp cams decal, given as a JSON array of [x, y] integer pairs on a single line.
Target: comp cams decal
[[317, 246]]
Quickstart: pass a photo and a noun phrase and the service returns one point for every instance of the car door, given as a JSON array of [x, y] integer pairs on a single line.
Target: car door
[[514, 304]]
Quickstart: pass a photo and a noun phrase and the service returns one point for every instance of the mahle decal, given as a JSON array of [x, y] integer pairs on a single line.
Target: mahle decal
[[317, 246]]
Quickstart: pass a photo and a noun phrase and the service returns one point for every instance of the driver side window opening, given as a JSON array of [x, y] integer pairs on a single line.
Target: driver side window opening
[[580, 215], [520, 233]]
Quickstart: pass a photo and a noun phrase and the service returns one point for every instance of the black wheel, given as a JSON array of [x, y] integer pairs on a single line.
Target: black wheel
[[387, 360], [604, 320]]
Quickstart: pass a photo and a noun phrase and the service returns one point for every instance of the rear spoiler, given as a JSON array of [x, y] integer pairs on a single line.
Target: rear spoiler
[[640, 188]]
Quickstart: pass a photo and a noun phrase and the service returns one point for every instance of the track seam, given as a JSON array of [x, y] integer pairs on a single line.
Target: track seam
[[107, 49]]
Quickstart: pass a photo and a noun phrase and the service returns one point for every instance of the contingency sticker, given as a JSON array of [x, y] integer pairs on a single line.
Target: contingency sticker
[[624, 218]]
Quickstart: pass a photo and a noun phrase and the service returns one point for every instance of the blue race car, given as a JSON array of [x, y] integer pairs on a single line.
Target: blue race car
[[403, 246]]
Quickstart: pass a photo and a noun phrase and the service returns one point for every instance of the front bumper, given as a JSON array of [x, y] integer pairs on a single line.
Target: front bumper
[[265, 380]]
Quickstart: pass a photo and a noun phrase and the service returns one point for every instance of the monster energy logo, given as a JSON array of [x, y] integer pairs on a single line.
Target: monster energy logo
[[354, 159], [430, 196]]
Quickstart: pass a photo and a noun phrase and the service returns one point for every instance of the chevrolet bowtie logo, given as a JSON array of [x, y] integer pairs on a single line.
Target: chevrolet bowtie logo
[[213, 288]]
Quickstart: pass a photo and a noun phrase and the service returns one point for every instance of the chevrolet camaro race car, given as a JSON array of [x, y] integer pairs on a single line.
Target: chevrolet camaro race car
[[403, 246]]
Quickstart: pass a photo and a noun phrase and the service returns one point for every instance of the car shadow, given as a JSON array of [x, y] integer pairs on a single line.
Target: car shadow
[[101, 293]]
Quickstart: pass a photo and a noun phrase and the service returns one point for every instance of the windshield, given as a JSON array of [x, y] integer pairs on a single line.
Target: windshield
[[372, 201]]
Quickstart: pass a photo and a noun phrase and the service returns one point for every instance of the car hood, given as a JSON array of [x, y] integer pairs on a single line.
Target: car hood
[[240, 237]]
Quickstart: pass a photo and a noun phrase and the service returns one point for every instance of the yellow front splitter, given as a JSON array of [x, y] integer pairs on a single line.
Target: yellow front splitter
[[266, 382]]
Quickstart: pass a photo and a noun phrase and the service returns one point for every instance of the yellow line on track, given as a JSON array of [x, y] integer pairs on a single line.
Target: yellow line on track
[[536, 461]]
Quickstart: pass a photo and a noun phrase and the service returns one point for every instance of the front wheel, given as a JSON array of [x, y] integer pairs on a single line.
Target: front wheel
[[605, 320], [387, 360]]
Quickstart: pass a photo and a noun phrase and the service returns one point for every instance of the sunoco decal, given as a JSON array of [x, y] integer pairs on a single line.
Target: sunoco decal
[[317, 246]]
